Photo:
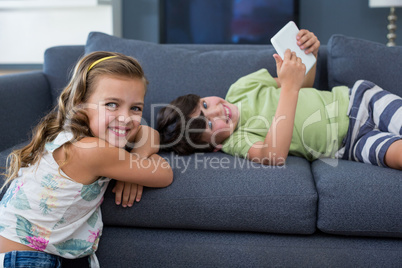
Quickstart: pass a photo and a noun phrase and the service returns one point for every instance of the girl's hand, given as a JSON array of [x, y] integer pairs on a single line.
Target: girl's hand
[[146, 143], [307, 41], [290, 70], [127, 193]]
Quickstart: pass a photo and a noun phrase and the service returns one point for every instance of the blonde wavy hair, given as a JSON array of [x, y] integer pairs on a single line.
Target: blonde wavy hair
[[68, 115]]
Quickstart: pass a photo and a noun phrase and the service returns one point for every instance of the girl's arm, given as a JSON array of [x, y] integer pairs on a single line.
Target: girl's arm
[[112, 162], [91, 158], [275, 148], [146, 143]]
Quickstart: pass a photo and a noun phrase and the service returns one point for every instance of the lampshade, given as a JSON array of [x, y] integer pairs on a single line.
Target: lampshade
[[385, 3]]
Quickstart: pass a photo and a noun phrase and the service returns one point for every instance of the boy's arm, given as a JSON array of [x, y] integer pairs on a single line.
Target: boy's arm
[[275, 148], [308, 41]]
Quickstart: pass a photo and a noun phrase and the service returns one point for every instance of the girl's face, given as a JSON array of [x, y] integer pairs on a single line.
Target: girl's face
[[115, 109], [222, 118]]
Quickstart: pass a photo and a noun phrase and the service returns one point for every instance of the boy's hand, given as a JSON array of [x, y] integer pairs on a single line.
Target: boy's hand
[[308, 41], [127, 193], [290, 70]]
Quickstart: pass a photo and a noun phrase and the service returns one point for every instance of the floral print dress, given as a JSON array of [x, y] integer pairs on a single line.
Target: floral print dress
[[46, 210]]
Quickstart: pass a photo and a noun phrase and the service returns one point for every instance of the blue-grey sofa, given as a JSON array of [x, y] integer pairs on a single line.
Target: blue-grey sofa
[[223, 211]]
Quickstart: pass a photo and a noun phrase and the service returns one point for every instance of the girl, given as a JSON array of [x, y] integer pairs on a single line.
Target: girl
[[52, 206]]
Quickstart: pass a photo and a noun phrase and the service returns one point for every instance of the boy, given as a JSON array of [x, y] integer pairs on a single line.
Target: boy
[[264, 118]]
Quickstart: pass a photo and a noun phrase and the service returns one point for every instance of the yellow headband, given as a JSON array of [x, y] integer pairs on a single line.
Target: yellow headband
[[102, 59]]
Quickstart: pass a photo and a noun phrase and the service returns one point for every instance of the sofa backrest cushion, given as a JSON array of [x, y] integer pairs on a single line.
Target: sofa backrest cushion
[[175, 70], [59, 65], [351, 59]]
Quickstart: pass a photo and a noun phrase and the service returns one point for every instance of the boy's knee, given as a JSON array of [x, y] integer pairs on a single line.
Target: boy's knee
[[393, 156]]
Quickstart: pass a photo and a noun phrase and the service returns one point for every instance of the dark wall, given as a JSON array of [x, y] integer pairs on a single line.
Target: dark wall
[[348, 17], [323, 17]]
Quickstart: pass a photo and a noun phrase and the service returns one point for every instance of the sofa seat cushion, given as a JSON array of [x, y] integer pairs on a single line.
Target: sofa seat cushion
[[215, 191], [120, 247], [351, 59], [358, 199]]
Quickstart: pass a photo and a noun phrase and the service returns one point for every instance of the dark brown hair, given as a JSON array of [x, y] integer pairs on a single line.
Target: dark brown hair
[[179, 132]]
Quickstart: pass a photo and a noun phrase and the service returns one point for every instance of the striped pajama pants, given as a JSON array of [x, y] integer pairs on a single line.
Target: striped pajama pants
[[375, 122]]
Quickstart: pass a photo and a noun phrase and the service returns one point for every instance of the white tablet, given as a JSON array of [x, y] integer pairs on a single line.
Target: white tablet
[[286, 38]]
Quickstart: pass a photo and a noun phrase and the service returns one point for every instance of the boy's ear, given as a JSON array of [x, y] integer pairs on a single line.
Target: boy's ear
[[218, 147]]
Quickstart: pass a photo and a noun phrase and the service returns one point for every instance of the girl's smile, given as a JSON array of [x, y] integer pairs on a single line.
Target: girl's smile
[[119, 131]]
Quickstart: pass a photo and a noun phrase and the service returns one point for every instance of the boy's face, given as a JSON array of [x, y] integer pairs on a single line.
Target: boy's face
[[222, 118]]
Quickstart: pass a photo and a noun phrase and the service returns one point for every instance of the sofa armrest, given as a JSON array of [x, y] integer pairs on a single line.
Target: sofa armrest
[[24, 99]]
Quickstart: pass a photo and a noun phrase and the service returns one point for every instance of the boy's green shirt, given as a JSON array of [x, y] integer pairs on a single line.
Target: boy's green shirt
[[321, 120]]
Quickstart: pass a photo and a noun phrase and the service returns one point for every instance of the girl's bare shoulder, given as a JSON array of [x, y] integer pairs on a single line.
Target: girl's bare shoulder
[[80, 160]]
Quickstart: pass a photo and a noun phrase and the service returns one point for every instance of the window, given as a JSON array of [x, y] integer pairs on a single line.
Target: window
[[224, 21]]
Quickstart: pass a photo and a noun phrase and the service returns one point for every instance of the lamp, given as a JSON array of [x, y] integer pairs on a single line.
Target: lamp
[[391, 17]]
